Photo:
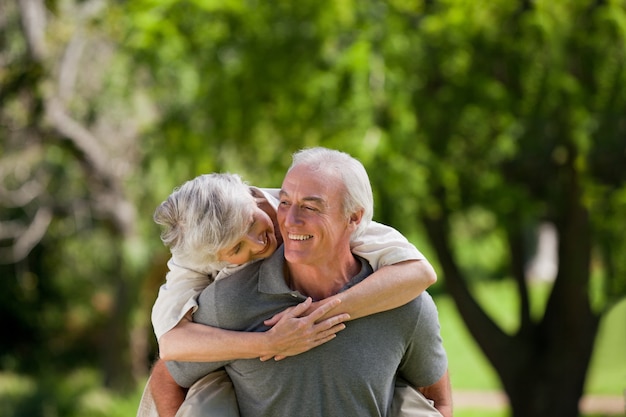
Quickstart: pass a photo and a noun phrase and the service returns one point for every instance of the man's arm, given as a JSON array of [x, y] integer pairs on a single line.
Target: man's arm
[[167, 394], [441, 394]]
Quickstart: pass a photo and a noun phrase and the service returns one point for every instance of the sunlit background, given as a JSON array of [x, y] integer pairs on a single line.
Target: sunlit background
[[494, 133]]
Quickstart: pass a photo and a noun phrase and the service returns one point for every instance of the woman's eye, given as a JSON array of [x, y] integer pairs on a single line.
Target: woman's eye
[[236, 249]]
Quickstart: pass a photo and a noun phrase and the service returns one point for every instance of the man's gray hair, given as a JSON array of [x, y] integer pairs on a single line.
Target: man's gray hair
[[203, 216], [352, 173]]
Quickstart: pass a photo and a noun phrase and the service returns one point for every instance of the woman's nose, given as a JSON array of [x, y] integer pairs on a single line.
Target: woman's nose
[[256, 241]]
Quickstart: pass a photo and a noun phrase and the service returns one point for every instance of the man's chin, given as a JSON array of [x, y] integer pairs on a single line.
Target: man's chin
[[295, 256]]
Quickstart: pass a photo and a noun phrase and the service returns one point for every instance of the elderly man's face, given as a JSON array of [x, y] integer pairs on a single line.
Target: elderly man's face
[[311, 218]]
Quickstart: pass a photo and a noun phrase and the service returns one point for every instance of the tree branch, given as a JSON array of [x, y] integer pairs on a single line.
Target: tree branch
[[517, 253], [490, 336], [29, 238], [33, 18], [80, 137]]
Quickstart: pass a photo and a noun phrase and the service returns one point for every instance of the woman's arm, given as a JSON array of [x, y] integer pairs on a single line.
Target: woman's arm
[[390, 287], [177, 297], [295, 332], [401, 272]]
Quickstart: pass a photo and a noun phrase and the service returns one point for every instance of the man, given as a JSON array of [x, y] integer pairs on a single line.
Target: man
[[325, 198]]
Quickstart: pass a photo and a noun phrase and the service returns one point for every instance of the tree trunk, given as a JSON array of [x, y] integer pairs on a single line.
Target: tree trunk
[[543, 367], [552, 382], [549, 381]]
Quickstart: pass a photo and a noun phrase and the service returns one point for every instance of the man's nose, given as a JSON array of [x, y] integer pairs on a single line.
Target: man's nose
[[292, 217]]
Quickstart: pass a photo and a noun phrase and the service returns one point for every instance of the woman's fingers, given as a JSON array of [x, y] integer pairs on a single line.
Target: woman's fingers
[[327, 329], [296, 311], [295, 332], [323, 309]]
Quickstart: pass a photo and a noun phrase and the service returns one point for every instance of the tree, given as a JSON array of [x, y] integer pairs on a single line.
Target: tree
[[67, 154], [517, 116], [472, 118], [461, 110]]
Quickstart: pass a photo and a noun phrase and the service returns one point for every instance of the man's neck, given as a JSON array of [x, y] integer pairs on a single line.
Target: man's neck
[[321, 282]]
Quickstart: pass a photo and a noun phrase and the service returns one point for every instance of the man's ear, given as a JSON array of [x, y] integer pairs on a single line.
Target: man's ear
[[356, 217]]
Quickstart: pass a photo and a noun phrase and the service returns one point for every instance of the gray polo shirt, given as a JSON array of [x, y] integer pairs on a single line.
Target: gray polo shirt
[[352, 375]]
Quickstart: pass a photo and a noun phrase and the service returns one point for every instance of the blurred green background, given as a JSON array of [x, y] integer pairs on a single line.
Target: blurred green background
[[494, 133]]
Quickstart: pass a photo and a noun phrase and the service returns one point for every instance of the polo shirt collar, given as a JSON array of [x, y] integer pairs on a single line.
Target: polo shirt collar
[[271, 275]]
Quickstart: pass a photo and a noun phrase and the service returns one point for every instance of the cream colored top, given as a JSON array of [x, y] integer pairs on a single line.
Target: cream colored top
[[380, 245]]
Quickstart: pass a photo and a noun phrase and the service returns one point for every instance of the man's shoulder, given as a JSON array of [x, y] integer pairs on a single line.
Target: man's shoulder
[[245, 271], [220, 300], [419, 307], [248, 277], [235, 280], [424, 308], [424, 300]]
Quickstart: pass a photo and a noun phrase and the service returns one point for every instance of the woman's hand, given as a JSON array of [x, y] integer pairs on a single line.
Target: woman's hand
[[296, 330]]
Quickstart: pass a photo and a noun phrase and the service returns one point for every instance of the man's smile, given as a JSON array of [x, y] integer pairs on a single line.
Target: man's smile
[[299, 237]]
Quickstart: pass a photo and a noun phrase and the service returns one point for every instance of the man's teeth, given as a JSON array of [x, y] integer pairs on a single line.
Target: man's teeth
[[300, 237]]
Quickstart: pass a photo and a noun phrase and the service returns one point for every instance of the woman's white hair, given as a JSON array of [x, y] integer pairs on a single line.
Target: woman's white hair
[[350, 171], [203, 216]]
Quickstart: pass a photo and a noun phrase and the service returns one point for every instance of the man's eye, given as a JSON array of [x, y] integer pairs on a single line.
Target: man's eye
[[284, 203], [310, 208]]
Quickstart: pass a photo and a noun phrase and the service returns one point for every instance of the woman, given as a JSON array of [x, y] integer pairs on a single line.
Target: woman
[[215, 223]]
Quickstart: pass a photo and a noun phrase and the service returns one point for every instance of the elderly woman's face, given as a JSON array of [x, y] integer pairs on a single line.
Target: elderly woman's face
[[259, 242]]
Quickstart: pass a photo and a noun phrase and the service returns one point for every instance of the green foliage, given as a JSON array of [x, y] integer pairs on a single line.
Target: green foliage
[[267, 78], [475, 110], [76, 394]]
